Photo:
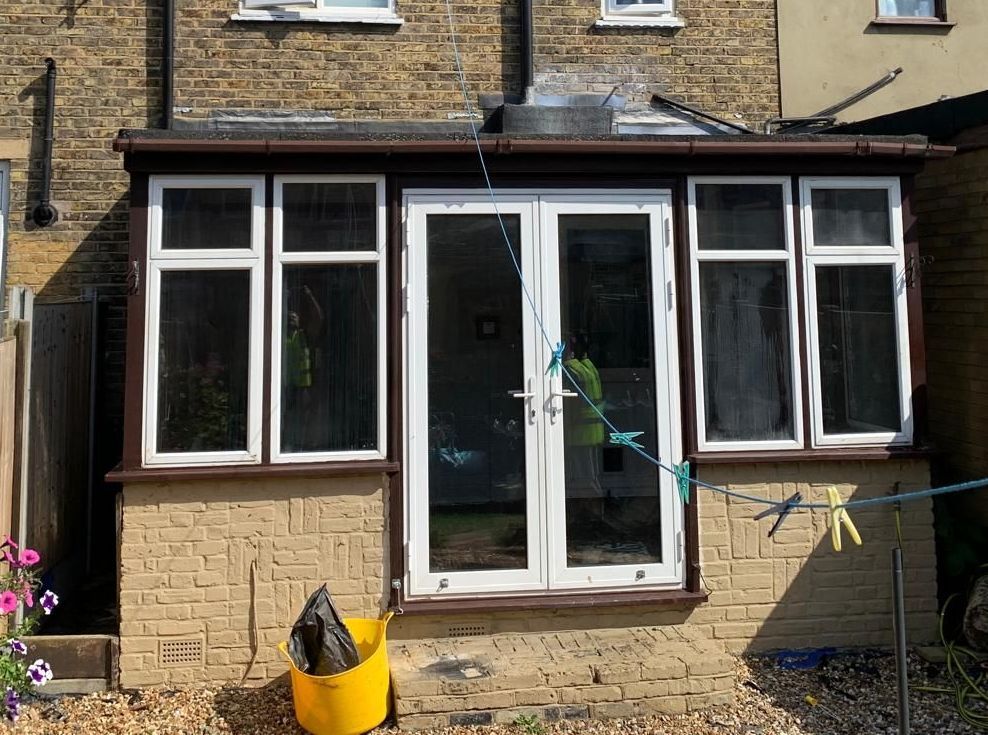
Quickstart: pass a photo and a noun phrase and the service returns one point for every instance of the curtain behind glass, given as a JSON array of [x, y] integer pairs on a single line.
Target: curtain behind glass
[[907, 8], [746, 351], [329, 360]]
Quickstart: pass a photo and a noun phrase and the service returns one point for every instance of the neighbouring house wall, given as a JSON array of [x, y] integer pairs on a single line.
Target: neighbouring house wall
[[952, 204], [829, 51], [187, 552], [230, 562]]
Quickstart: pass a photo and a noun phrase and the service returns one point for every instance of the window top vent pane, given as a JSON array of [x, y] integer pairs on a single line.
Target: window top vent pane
[[329, 217], [196, 218], [851, 217], [743, 216]]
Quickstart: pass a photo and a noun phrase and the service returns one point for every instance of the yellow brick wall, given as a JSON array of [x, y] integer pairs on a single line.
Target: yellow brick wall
[[221, 562], [187, 552], [951, 198]]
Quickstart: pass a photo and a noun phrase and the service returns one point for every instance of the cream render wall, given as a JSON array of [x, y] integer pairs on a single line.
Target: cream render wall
[[828, 51], [189, 549]]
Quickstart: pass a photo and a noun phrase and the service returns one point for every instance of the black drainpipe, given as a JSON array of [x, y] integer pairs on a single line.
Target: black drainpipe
[[527, 57], [45, 214], [168, 66]]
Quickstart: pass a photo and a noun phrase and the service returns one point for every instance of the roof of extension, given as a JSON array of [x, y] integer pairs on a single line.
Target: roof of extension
[[938, 121]]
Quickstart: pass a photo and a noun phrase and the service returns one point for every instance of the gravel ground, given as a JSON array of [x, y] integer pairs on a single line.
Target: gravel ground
[[855, 695]]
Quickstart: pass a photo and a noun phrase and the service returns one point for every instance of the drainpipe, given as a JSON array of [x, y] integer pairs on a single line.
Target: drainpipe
[[527, 56], [168, 66], [45, 214]]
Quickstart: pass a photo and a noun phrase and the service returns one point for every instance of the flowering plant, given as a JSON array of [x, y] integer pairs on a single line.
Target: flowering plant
[[19, 584]]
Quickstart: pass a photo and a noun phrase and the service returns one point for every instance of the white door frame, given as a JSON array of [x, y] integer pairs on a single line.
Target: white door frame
[[543, 536]]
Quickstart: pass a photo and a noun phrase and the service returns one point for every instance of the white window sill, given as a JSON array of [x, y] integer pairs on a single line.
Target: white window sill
[[640, 22], [315, 16]]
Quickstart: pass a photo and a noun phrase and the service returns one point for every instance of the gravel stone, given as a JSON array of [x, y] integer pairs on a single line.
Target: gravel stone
[[855, 695]]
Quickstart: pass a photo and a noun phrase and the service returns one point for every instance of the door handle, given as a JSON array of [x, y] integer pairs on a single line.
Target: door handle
[[521, 394], [565, 394]]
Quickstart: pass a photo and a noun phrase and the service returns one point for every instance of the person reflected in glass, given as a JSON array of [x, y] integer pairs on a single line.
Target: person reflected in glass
[[302, 330], [585, 431]]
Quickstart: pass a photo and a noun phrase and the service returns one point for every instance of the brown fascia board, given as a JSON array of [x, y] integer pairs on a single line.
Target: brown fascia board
[[508, 145]]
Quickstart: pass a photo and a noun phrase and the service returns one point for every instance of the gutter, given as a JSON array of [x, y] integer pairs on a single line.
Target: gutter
[[507, 146]]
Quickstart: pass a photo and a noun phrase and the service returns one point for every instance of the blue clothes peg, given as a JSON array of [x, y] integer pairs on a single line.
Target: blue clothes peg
[[557, 359]]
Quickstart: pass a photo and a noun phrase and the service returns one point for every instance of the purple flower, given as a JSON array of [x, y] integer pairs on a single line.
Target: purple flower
[[12, 704], [16, 646], [48, 601], [39, 673]]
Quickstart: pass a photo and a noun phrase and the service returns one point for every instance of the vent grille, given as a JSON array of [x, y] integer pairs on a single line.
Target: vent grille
[[185, 652], [468, 629]]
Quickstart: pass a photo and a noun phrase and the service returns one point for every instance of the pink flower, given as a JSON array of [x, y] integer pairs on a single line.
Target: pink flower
[[29, 557], [9, 559], [8, 602], [8, 541]]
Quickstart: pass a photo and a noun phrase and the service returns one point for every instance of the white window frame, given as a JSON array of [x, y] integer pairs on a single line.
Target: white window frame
[[159, 261], [893, 255], [281, 258], [543, 574], [316, 11], [643, 13], [788, 256]]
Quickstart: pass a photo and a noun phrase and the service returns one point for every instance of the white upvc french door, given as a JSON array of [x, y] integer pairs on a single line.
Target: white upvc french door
[[608, 286], [512, 483], [474, 397]]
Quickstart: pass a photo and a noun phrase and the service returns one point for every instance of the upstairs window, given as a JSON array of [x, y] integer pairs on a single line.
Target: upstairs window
[[928, 10], [340, 11], [641, 12]]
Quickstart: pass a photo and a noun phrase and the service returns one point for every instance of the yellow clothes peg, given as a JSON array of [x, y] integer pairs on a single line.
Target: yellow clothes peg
[[839, 516]]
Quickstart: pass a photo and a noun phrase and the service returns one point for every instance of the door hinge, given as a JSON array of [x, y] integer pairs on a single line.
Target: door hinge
[[670, 295], [668, 232], [679, 546], [406, 299]]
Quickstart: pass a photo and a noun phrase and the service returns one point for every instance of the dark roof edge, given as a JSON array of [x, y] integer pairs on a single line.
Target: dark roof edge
[[134, 142], [940, 120]]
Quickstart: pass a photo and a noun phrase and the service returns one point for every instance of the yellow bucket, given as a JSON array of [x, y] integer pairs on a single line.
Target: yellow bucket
[[354, 701]]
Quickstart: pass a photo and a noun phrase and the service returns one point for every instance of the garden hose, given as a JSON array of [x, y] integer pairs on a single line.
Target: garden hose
[[967, 690]]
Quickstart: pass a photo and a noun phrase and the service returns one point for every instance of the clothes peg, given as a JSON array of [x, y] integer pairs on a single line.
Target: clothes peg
[[557, 358], [683, 481], [627, 438], [783, 510], [838, 517]]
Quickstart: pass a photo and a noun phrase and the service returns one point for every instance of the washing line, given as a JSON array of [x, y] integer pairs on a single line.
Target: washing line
[[625, 438]]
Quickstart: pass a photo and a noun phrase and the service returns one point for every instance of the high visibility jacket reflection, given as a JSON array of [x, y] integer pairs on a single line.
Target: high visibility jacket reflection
[[586, 429], [298, 364]]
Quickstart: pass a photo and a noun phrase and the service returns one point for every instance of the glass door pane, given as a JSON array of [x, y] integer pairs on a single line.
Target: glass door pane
[[478, 418], [608, 500]]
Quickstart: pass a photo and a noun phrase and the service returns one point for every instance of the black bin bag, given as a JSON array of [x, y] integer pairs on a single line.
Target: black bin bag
[[320, 644]]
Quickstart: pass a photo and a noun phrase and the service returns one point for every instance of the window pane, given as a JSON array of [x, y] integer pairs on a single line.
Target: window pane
[[206, 218], [356, 3], [740, 217], [851, 217], [915, 8], [747, 368], [477, 431], [329, 217], [203, 356], [612, 494], [329, 360], [859, 369]]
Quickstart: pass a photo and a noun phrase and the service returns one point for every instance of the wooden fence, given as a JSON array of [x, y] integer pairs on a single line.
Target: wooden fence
[[8, 426]]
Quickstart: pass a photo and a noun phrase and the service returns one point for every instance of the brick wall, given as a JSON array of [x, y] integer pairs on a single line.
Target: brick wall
[[225, 563], [187, 552], [952, 203]]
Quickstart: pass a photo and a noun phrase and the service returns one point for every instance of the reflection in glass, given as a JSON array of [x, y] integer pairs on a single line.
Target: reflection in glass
[[329, 373], [740, 217], [851, 217], [477, 472], [326, 217], [612, 494], [205, 219], [203, 355], [859, 371], [746, 352], [907, 8]]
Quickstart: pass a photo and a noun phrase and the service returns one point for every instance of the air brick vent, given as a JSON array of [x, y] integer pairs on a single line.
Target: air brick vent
[[184, 652], [467, 629]]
